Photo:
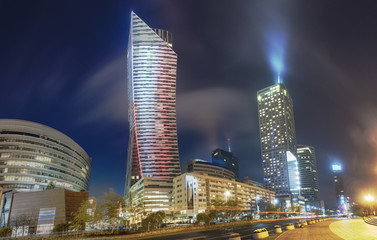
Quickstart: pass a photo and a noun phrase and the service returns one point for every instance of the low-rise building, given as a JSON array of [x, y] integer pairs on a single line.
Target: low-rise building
[[194, 192], [38, 212], [150, 195], [250, 181]]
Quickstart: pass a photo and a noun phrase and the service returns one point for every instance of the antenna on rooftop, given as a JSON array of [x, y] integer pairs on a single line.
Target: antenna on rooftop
[[229, 150]]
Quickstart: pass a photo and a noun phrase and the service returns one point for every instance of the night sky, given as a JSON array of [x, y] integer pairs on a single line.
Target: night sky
[[63, 64]]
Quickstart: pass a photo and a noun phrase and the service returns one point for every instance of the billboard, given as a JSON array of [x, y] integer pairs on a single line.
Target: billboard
[[46, 220]]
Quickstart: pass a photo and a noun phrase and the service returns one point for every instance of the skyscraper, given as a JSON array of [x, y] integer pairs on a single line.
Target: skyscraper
[[226, 160], [278, 141], [308, 173], [339, 187], [151, 80]]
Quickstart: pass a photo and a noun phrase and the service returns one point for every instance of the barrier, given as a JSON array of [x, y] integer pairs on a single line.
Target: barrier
[[260, 233], [278, 229], [289, 226]]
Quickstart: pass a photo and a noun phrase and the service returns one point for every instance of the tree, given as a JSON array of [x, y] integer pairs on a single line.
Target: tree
[[247, 217], [203, 217], [111, 203], [358, 210], [271, 209], [316, 211], [61, 227], [81, 216], [98, 214], [298, 210], [21, 222], [50, 185], [136, 213], [231, 210], [292, 209], [154, 220], [217, 209], [5, 232], [213, 214]]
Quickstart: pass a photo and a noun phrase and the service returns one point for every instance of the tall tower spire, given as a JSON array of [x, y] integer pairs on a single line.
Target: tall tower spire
[[229, 150]]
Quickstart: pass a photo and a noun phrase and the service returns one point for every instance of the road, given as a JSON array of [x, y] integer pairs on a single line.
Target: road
[[349, 229], [244, 231]]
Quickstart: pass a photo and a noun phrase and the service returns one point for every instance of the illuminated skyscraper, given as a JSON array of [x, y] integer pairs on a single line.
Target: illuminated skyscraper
[[308, 173], [339, 187], [151, 78], [278, 141]]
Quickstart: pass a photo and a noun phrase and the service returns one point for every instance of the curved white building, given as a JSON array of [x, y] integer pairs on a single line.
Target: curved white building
[[32, 155]]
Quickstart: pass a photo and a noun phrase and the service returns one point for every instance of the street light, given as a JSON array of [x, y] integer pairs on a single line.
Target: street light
[[227, 194], [369, 199], [256, 201]]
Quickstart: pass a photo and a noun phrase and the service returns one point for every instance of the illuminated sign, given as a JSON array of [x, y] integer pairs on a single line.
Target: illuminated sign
[[46, 220]]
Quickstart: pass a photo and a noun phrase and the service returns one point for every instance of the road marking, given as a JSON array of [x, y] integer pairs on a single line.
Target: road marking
[[198, 237], [281, 235]]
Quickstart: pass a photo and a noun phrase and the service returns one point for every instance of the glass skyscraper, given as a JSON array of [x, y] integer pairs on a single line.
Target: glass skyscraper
[[339, 187], [226, 160], [151, 78], [308, 173], [278, 141]]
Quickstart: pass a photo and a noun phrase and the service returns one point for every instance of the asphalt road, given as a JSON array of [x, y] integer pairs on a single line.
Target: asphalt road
[[244, 231]]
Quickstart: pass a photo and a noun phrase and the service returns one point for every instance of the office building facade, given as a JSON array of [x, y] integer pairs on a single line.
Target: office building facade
[[278, 141], [340, 197], [151, 80], [202, 166], [226, 160], [32, 155], [308, 173], [194, 192]]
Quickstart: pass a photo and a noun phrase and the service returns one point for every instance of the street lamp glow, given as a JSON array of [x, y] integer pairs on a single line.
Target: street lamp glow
[[369, 198], [227, 194]]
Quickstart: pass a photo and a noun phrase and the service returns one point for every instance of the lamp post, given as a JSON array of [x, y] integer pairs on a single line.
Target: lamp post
[[256, 201], [369, 199]]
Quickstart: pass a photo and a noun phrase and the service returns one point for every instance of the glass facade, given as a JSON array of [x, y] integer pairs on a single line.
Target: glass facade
[[151, 77], [308, 172], [32, 155], [278, 140], [226, 160], [339, 187]]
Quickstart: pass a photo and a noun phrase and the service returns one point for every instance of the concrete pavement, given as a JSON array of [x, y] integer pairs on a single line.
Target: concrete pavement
[[354, 229]]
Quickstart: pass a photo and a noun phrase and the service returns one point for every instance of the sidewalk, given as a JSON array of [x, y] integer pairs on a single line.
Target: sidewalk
[[354, 229]]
